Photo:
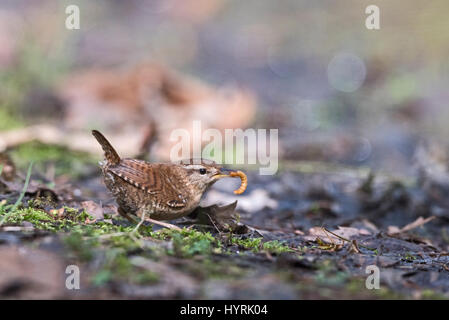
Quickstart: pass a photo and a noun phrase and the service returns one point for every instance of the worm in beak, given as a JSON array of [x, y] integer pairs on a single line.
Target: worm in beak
[[234, 174]]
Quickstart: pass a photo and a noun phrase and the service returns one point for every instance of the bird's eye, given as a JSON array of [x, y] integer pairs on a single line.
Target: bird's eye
[[203, 171]]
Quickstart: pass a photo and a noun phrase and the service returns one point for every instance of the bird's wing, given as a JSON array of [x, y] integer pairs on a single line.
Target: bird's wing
[[136, 173], [153, 181]]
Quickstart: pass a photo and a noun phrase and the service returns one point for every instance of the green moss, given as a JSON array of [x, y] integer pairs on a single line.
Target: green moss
[[329, 275], [256, 245], [357, 287], [65, 161], [275, 247], [189, 242], [76, 215], [113, 245], [30, 214], [117, 266], [185, 243], [8, 120], [249, 243], [57, 220], [102, 277], [212, 268], [409, 257], [39, 218], [84, 242], [80, 248], [98, 229], [429, 294]]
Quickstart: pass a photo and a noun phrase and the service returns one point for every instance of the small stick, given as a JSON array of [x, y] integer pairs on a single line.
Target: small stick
[[163, 224]]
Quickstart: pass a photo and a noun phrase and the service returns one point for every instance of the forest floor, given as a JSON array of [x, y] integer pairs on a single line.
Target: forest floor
[[304, 233]]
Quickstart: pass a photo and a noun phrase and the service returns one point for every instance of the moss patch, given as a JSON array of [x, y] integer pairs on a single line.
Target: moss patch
[[189, 242], [64, 161], [257, 245]]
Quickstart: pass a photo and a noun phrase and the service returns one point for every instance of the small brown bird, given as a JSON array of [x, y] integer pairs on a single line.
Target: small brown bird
[[158, 191]]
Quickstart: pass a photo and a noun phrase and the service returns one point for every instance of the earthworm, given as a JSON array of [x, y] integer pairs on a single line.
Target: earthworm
[[243, 179]]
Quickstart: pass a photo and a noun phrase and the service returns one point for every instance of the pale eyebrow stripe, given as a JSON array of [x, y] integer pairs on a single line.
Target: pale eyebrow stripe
[[195, 167]]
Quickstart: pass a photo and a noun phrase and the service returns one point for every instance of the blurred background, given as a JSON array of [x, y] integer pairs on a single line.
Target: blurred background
[[138, 69]]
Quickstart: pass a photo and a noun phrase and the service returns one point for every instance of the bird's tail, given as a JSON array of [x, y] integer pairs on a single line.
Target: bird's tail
[[109, 153]]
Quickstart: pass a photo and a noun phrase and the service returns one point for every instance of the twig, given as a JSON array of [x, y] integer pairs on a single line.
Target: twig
[[163, 224], [415, 224], [213, 223]]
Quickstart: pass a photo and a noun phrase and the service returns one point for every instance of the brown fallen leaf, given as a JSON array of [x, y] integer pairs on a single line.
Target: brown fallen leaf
[[94, 209], [223, 218], [344, 232], [334, 240], [354, 248], [328, 246], [321, 237], [34, 189]]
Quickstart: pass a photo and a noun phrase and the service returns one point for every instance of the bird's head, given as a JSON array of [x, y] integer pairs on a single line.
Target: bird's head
[[203, 173]]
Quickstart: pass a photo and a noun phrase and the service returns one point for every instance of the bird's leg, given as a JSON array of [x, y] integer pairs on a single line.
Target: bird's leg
[[142, 219]]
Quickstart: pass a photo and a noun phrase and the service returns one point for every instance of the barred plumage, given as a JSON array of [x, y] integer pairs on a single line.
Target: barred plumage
[[162, 191]]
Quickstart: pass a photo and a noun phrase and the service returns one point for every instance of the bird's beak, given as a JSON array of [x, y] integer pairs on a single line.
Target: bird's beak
[[222, 174]]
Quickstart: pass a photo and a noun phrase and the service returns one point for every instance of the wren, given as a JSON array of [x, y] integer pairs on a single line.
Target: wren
[[158, 191]]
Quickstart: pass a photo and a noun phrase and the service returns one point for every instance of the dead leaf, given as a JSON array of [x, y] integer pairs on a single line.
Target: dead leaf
[[94, 209], [223, 218], [354, 248], [328, 246], [344, 232], [34, 189]]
